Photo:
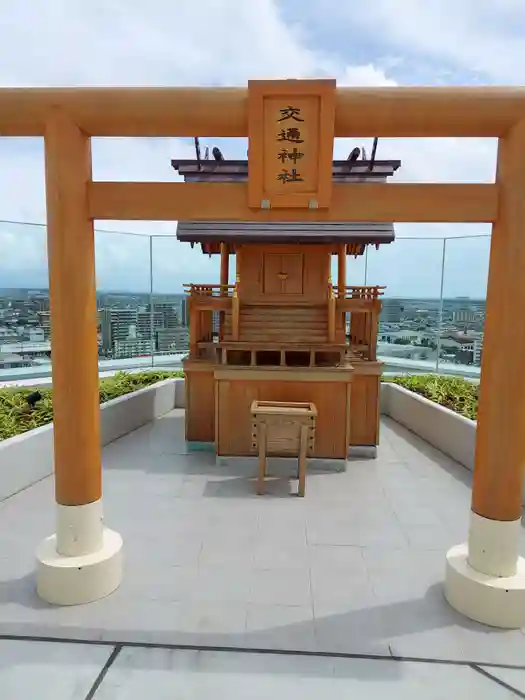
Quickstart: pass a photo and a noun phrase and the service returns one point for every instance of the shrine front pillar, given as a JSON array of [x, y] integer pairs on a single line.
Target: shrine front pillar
[[485, 577], [224, 276], [225, 271], [82, 562], [341, 270]]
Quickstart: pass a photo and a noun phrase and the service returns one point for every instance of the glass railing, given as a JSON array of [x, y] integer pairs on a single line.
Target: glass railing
[[142, 319], [169, 323], [25, 346], [432, 317], [123, 299], [441, 332], [463, 316], [408, 332]]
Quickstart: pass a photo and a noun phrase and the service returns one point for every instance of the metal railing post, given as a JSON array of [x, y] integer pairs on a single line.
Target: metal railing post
[[440, 311], [151, 314]]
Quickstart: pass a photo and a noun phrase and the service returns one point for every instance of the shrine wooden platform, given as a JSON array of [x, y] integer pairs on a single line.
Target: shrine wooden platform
[[218, 401]]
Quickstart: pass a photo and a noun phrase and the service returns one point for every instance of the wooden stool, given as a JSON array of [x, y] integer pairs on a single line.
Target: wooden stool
[[283, 429]]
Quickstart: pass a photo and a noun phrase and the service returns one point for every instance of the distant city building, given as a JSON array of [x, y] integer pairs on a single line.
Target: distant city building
[[402, 336], [130, 327], [172, 340], [133, 347], [117, 326], [41, 302], [13, 361], [165, 314], [44, 318], [392, 311], [14, 355], [478, 349], [148, 322], [465, 347], [37, 335], [142, 329], [183, 311], [464, 316], [216, 323], [8, 334]]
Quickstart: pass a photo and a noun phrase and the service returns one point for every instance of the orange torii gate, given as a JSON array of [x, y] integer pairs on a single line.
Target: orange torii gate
[[485, 579]]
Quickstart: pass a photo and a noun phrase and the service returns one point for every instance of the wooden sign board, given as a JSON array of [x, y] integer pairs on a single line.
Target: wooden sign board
[[290, 143]]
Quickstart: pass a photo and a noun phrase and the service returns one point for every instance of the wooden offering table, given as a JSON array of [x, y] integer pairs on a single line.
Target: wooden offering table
[[283, 429]]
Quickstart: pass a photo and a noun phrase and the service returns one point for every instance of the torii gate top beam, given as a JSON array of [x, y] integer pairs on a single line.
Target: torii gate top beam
[[223, 112]]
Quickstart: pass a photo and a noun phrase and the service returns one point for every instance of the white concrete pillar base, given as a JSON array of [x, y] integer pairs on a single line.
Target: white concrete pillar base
[[80, 579], [79, 528], [491, 600], [494, 545]]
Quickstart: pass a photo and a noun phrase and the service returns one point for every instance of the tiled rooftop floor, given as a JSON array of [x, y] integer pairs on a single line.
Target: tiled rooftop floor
[[59, 671], [356, 567]]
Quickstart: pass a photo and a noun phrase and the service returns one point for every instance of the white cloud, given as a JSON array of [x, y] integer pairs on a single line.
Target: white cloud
[[103, 42], [121, 260], [476, 36], [366, 75], [160, 42]]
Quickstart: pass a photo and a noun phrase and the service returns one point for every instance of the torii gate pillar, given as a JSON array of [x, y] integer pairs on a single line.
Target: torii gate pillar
[[82, 562], [485, 578]]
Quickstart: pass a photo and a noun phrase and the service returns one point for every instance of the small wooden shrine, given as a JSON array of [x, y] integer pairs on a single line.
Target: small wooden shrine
[[283, 331]]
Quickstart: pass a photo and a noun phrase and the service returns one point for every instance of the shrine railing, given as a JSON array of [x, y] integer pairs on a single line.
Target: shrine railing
[[209, 290], [236, 313], [358, 292], [331, 312]]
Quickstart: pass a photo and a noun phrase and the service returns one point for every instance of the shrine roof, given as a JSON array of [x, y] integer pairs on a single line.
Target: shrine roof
[[211, 233], [237, 170], [314, 232]]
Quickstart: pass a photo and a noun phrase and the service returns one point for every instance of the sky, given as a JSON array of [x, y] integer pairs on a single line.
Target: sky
[[226, 42]]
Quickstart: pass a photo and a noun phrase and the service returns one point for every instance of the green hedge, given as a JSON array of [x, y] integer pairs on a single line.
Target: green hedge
[[17, 417], [457, 394]]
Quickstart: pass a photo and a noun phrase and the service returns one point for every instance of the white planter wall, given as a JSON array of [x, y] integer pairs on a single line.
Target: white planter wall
[[442, 428], [28, 458]]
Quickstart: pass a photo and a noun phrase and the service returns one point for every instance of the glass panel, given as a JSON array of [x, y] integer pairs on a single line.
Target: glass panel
[[143, 310], [464, 295], [25, 344], [123, 295], [410, 268], [169, 319]]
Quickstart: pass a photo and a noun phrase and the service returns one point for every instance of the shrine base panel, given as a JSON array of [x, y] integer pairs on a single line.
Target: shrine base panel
[[218, 402]]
